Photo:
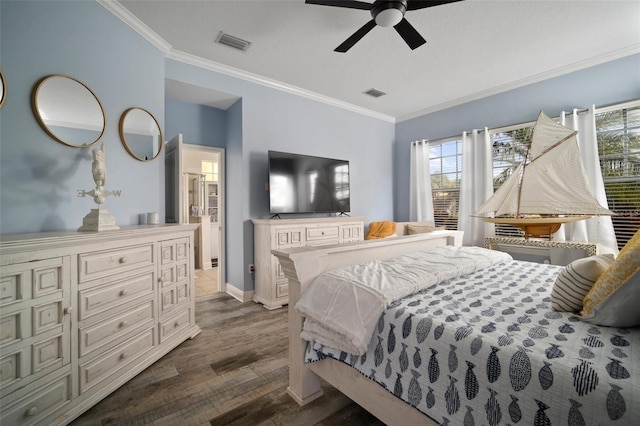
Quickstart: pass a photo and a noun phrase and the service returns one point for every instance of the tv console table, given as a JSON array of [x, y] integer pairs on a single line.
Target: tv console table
[[271, 285], [83, 312]]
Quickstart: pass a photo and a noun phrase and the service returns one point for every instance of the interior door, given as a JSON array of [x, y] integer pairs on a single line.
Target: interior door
[[174, 195]]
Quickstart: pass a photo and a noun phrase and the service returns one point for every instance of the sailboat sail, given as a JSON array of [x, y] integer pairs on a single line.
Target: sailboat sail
[[550, 182]]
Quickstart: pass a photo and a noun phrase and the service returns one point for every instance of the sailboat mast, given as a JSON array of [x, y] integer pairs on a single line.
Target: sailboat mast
[[520, 179]]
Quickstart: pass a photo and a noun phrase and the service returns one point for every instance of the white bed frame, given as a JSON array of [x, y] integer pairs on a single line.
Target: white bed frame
[[301, 266]]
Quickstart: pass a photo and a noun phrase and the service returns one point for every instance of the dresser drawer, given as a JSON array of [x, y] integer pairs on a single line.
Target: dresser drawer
[[174, 251], [11, 366], [103, 333], [282, 288], [104, 263], [324, 233], [99, 299], [111, 363], [11, 328], [32, 280], [174, 324], [288, 237], [34, 406]]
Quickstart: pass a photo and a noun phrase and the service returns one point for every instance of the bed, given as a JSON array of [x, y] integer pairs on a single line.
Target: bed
[[481, 348]]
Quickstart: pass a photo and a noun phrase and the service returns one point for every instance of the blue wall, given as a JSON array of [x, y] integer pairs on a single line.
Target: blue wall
[[199, 124], [276, 120], [610, 83], [39, 177]]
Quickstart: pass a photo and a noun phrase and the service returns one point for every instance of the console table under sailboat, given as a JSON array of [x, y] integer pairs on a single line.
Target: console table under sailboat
[[542, 251]]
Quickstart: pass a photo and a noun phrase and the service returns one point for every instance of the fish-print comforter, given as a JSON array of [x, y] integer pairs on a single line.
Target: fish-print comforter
[[487, 349]]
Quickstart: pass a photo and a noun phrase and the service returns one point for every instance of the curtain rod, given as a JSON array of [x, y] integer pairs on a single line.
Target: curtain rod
[[604, 108], [579, 111]]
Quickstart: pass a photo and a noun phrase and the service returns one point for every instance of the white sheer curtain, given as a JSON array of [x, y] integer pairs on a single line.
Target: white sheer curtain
[[599, 229], [476, 186], [421, 200]]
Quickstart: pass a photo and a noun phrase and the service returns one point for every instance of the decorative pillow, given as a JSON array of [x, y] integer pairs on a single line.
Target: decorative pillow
[[627, 262], [621, 308], [413, 229], [382, 229], [633, 242], [575, 281]]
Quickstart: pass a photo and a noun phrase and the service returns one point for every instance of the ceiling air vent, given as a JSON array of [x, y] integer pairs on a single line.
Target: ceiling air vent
[[231, 41], [374, 92]]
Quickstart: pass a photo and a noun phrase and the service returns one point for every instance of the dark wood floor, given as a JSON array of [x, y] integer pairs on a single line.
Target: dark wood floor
[[234, 372]]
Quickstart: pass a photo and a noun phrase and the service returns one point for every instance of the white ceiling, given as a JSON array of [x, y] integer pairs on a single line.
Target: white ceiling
[[474, 48]]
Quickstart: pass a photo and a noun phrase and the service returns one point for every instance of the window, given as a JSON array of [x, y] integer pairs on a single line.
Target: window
[[509, 150], [618, 133], [445, 163], [210, 171]]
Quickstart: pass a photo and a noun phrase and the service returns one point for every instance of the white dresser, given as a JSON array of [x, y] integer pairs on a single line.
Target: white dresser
[[83, 313], [271, 286]]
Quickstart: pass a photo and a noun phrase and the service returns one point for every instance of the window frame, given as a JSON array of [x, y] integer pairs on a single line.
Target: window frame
[[505, 230]]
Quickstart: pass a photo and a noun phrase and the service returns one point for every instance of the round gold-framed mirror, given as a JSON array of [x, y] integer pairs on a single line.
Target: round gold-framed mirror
[[3, 88], [140, 134], [68, 111]]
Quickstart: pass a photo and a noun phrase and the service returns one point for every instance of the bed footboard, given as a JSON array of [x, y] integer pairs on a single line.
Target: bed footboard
[[303, 264]]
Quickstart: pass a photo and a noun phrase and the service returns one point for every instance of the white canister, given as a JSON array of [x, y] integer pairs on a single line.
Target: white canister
[[153, 218]]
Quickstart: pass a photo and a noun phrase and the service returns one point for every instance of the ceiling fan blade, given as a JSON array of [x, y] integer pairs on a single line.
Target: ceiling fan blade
[[348, 43], [409, 34], [421, 4], [350, 4]]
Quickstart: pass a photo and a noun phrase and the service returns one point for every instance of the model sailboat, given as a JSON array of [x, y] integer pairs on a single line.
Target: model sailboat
[[549, 188]]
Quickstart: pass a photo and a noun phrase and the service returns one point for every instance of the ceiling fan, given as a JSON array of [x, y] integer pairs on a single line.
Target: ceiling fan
[[385, 13]]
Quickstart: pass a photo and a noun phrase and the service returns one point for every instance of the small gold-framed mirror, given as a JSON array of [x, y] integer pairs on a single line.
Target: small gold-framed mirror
[[68, 111], [3, 88], [140, 134]]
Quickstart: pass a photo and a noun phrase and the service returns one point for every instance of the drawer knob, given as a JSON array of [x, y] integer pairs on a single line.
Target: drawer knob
[[123, 324], [123, 292], [68, 310], [176, 324], [32, 411], [122, 260], [123, 355]]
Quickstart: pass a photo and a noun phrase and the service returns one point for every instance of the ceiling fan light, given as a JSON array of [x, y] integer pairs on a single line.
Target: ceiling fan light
[[389, 17]]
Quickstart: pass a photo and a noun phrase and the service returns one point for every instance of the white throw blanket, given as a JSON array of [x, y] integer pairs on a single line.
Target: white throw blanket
[[341, 307]]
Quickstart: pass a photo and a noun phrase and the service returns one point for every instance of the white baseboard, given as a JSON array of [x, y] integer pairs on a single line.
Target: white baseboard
[[241, 295]]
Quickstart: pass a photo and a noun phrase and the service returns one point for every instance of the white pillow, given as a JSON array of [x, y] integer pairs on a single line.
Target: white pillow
[[575, 281], [621, 308]]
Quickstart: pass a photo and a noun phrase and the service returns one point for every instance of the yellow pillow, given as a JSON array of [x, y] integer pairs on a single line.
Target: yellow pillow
[[633, 242], [382, 229], [627, 262]]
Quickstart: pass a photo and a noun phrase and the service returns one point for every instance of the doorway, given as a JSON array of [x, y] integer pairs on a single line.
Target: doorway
[[198, 173]]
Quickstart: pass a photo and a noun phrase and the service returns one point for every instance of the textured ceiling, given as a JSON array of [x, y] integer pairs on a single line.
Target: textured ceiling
[[474, 48]]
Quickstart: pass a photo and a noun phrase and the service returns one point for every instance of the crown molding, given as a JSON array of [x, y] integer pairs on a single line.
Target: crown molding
[[141, 28], [200, 62], [557, 72], [137, 25]]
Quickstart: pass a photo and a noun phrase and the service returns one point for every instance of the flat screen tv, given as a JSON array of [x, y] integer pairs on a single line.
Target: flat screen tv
[[307, 184]]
